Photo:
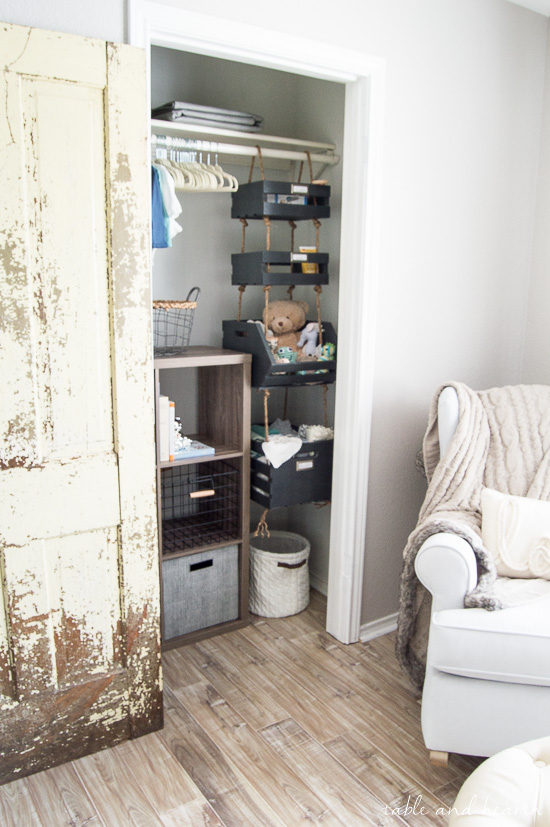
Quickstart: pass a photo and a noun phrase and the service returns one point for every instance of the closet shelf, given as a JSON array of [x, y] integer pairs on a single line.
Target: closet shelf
[[294, 149]]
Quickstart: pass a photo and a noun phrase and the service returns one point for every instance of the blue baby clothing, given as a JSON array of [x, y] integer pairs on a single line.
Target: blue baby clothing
[[159, 217]]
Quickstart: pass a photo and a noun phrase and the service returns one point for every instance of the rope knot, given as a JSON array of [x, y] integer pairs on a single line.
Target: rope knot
[[244, 222], [262, 529], [242, 288]]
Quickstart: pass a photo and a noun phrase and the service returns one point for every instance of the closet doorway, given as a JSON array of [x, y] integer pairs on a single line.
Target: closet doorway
[[157, 27]]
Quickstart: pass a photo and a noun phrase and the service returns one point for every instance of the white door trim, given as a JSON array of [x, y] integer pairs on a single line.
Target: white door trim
[[152, 23]]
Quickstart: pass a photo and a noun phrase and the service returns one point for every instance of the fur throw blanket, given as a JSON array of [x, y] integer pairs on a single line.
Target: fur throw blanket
[[502, 441]]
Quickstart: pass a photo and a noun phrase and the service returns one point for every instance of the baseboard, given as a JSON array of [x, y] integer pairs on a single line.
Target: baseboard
[[377, 628], [320, 584]]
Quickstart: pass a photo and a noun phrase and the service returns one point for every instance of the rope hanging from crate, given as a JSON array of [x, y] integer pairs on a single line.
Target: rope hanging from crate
[[262, 529], [267, 288], [266, 414], [316, 222], [242, 288], [318, 290], [292, 224], [261, 163], [244, 224], [285, 409]]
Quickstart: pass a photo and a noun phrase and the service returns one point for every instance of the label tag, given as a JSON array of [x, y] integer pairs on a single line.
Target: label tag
[[304, 464], [298, 256], [303, 188]]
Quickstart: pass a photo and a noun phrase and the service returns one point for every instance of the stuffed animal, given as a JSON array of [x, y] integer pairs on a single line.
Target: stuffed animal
[[285, 318], [308, 339]]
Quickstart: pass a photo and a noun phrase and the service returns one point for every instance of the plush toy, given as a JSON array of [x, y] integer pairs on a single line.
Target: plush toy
[[285, 318], [308, 339]]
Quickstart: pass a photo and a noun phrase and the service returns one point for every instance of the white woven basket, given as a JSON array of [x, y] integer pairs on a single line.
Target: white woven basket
[[279, 574]]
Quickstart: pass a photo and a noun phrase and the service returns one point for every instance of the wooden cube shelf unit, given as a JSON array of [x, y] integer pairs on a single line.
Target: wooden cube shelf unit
[[199, 533]]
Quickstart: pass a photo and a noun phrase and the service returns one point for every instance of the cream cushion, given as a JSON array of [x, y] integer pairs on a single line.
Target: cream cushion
[[516, 531], [511, 645], [509, 789]]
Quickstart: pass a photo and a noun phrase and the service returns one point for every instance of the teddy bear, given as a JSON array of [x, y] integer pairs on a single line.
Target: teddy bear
[[285, 318]]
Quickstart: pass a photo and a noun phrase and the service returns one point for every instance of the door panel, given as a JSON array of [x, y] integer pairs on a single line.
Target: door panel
[[63, 133], [67, 605], [79, 603]]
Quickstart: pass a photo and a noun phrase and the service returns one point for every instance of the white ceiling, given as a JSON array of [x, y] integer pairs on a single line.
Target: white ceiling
[[541, 6]]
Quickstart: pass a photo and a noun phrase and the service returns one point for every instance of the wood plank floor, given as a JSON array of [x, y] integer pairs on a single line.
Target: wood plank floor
[[275, 725]]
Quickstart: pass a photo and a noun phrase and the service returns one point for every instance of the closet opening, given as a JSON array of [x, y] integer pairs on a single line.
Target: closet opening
[[301, 93], [291, 106]]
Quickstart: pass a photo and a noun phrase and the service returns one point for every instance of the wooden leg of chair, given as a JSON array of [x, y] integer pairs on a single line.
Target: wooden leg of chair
[[439, 759]]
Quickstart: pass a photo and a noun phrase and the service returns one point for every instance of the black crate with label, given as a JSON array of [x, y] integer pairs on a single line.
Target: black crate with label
[[281, 201], [279, 267], [304, 478]]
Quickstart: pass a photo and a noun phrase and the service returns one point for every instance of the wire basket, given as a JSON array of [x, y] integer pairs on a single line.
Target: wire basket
[[200, 505], [172, 324]]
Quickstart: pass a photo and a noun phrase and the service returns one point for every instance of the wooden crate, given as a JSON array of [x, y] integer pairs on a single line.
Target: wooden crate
[[281, 201]]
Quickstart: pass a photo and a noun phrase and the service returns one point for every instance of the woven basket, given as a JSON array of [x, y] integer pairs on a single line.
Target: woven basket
[[172, 324], [279, 574]]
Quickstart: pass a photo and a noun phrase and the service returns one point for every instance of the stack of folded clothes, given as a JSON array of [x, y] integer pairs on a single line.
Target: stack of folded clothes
[[208, 116]]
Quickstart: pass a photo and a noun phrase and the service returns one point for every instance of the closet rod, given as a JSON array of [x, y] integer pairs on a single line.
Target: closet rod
[[169, 142]]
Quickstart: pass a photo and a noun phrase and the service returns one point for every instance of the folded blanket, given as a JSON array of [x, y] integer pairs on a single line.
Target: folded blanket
[[208, 116], [502, 441]]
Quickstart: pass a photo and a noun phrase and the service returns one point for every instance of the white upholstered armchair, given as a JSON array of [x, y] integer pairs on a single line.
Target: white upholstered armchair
[[484, 642]]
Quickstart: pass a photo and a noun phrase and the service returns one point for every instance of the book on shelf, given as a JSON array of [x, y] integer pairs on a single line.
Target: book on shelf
[[169, 434], [164, 428], [195, 449], [171, 430]]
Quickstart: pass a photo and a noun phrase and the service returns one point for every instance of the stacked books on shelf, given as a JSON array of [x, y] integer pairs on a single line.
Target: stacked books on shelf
[[172, 444]]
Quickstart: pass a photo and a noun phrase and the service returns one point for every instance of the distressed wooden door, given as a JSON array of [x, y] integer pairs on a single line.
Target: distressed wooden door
[[79, 604]]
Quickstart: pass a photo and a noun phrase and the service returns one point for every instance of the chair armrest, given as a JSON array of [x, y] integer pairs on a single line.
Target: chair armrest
[[446, 566]]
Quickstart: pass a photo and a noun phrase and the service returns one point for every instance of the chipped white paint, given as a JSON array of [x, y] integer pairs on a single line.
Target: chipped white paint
[[81, 494], [63, 134], [78, 537], [133, 388]]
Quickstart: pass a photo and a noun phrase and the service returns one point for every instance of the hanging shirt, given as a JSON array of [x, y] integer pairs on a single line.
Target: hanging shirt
[[172, 205], [159, 217]]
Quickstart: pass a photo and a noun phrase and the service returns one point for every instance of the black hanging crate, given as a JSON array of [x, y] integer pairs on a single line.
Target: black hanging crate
[[249, 337], [304, 478], [272, 267], [280, 200]]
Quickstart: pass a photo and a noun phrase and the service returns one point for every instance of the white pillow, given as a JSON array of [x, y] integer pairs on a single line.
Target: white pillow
[[516, 531]]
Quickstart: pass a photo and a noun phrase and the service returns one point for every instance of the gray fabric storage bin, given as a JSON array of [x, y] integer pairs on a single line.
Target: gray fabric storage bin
[[200, 590]]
